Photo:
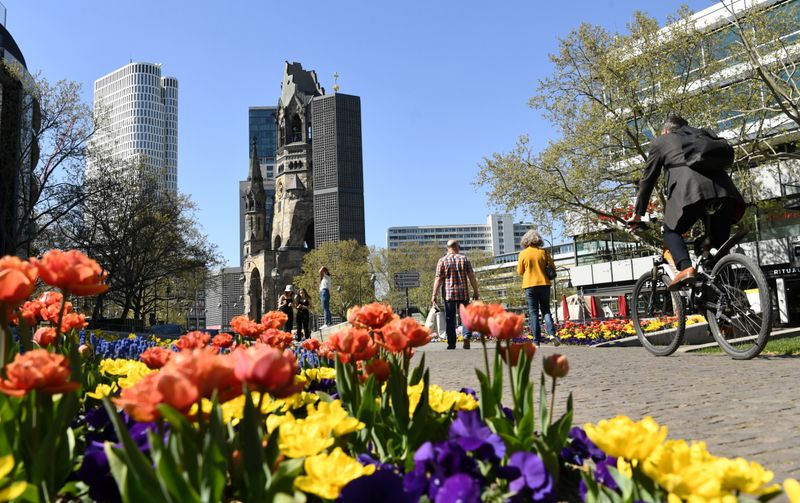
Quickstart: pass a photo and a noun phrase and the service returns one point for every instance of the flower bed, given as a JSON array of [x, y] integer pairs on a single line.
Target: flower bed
[[593, 332], [256, 417]]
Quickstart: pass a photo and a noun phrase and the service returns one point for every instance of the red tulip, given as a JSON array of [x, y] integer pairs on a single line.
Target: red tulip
[[556, 365], [506, 325], [267, 369]]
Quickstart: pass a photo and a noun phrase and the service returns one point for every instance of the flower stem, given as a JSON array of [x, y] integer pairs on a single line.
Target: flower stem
[[485, 354], [60, 316], [510, 374], [552, 402], [5, 337]]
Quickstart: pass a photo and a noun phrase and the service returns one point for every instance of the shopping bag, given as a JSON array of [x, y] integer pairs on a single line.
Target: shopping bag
[[430, 321]]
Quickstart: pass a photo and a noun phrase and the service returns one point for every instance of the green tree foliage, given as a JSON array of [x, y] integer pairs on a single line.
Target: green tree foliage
[[606, 99], [349, 265]]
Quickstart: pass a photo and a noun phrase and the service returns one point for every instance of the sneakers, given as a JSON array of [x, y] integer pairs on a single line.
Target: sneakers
[[683, 278], [554, 340], [323, 326]]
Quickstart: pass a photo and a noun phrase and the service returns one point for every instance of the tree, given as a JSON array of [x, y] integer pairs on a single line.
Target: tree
[[349, 265], [59, 148], [606, 99]]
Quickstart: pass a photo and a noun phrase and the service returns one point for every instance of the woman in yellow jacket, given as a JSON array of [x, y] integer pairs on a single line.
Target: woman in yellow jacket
[[531, 266]]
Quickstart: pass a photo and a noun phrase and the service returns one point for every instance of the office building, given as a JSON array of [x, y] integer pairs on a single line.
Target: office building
[[19, 119], [498, 236], [338, 169], [263, 128], [224, 298], [139, 110]]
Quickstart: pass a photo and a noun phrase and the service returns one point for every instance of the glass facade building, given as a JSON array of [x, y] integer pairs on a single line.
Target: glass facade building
[[140, 110]]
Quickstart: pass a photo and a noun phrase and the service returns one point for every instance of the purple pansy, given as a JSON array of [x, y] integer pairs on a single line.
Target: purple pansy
[[459, 488], [533, 475], [434, 464], [384, 486], [472, 434], [580, 448]]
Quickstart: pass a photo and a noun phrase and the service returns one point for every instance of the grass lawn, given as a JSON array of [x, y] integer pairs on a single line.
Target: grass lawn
[[788, 346]]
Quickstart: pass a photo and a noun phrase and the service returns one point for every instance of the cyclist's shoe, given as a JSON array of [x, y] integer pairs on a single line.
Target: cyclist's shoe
[[554, 340], [683, 278]]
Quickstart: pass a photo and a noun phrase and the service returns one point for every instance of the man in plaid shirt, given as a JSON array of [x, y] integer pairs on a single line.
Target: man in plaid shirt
[[454, 268]]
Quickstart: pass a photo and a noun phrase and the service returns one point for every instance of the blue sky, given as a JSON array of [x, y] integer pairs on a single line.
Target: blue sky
[[442, 83]]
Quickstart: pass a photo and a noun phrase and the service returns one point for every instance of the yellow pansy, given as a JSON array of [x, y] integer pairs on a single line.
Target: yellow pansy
[[102, 390], [302, 438], [14, 490], [621, 437], [792, 489], [327, 474], [335, 416]]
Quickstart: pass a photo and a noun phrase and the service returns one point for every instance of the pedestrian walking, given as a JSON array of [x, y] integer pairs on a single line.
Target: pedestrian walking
[[453, 271], [325, 295], [533, 265], [303, 303], [286, 305]]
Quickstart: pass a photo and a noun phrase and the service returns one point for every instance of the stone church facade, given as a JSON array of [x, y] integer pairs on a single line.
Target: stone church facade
[[274, 250]]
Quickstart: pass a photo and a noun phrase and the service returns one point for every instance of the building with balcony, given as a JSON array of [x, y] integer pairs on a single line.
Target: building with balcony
[[498, 236]]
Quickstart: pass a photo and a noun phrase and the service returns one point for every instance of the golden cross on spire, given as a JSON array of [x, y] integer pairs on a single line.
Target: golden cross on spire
[[336, 82]]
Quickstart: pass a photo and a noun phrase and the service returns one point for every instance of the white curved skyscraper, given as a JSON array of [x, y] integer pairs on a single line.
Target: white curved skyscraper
[[140, 119]]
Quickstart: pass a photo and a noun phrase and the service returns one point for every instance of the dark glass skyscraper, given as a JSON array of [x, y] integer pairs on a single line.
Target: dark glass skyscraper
[[263, 127], [338, 168]]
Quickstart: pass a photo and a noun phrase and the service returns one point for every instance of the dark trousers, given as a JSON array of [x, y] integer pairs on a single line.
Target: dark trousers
[[450, 313], [718, 233], [303, 322], [290, 322], [538, 298]]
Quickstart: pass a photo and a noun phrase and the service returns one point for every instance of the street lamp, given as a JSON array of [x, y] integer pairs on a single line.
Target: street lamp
[[372, 278], [275, 274]]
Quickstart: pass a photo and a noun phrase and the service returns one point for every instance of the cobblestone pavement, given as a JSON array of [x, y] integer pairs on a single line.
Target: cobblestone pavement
[[740, 408]]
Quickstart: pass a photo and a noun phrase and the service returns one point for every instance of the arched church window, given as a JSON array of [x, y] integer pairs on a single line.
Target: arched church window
[[297, 129]]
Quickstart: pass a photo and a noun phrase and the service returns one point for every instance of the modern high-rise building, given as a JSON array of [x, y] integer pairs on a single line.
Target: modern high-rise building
[[139, 109], [19, 149], [224, 298], [338, 168], [263, 127], [498, 236]]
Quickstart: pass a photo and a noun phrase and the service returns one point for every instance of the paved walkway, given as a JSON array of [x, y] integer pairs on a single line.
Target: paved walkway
[[740, 408]]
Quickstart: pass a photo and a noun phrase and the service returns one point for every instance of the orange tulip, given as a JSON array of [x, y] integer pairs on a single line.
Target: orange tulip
[[326, 350], [505, 325], [274, 319], [17, 280], [222, 340], [50, 303], [246, 327], [73, 321], [311, 344], [353, 344], [516, 348], [30, 312], [72, 271], [372, 316], [267, 369], [276, 338], [403, 333], [45, 336], [208, 371], [155, 357], [556, 365], [475, 316], [193, 340], [38, 369], [141, 399], [379, 368], [177, 390]]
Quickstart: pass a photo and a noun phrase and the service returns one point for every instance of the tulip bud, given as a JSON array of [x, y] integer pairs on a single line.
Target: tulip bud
[[85, 350], [556, 365]]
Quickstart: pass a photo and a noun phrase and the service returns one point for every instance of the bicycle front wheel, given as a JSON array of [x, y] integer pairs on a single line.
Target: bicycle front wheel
[[741, 321], [658, 315]]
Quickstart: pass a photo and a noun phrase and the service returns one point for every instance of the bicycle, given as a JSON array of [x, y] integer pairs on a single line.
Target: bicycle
[[730, 291]]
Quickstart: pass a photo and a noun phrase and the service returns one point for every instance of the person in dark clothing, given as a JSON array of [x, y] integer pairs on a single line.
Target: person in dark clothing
[[303, 304], [688, 192], [286, 305]]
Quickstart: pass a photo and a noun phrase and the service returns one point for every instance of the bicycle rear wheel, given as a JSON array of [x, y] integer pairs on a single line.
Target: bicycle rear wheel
[[742, 319], [658, 315]]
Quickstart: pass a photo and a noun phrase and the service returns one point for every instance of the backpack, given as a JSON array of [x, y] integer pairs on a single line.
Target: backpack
[[704, 151], [548, 269]]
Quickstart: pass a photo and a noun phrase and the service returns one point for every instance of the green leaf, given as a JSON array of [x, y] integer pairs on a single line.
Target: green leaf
[[255, 473], [559, 431], [548, 455], [54, 454], [398, 390], [416, 374], [215, 458], [625, 484], [543, 418], [129, 487], [171, 479], [488, 403]]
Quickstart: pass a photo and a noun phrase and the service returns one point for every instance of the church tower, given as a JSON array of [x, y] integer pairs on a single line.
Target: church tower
[[293, 216], [255, 238]]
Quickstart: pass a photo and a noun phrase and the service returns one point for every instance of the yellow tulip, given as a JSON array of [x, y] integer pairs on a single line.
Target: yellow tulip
[[792, 489], [621, 437]]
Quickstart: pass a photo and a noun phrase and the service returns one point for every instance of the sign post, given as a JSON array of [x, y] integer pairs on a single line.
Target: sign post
[[406, 280]]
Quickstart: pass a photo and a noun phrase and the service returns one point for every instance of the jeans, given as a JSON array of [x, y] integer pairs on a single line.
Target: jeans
[[539, 299], [303, 320], [450, 313], [325, 300], [718, 233]]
